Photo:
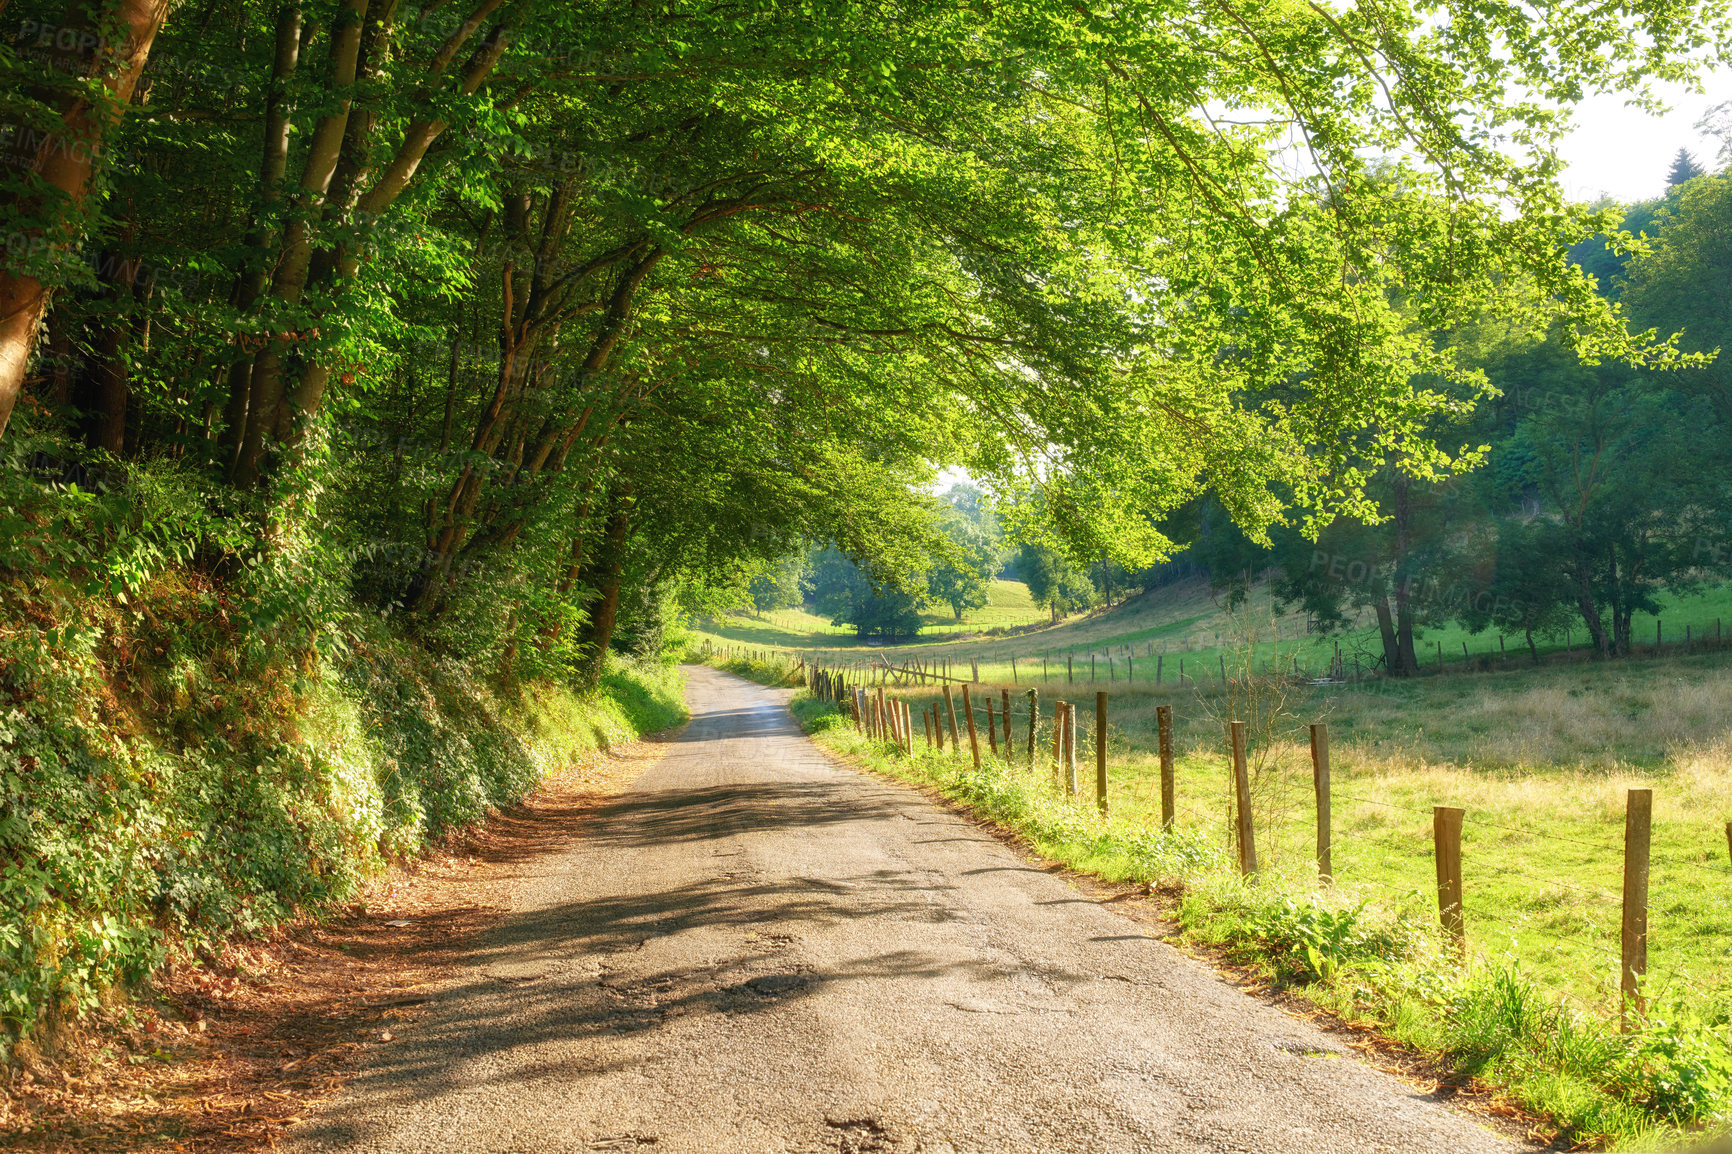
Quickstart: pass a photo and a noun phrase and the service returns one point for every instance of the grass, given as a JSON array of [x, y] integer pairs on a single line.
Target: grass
[[1182, 633], [1540, 760], [1008, 606]]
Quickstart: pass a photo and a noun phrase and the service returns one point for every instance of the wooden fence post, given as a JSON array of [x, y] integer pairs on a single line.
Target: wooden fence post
[[1320, 779], [1164, 727], [1242, 800], [1057, 739], [991, 727], [1159, 661], [1101, 752], [973, 739], [1004, 714], [1638, 833], [1729, 843], [1070, 749], [1033, 721], [926, 718], [1446, 837], [950, 712]]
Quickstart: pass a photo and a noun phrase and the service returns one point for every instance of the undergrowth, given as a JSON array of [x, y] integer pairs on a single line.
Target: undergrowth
[[1367, 961], [200, 739]]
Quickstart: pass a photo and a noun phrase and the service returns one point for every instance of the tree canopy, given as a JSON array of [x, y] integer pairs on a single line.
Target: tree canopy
[[578, 299]]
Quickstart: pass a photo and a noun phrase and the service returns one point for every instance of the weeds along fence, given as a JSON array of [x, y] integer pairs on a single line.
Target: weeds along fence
[[1611, 922]]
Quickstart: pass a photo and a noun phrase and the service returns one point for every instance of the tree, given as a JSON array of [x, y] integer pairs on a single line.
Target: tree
[[1622, 482], [1110, 579], [1516, 585], [1685, 282], [780, 585], [1684, 168], [961, 572], [579, 300], [1053, 581], [87, 64], [850, 596]]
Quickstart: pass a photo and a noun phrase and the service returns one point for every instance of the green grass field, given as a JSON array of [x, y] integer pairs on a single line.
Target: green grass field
[[1181, 633], [1008, 606], [1539, 759]]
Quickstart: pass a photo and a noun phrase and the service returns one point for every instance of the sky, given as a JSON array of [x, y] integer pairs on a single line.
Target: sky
[[1625, 153]]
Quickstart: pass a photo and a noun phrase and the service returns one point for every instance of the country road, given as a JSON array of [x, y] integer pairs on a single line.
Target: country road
[[755, 949]]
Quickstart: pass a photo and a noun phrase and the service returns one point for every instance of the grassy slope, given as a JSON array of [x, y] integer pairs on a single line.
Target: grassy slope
[[1540, 760], [1008, 605], [170, 781], [1190, 632]]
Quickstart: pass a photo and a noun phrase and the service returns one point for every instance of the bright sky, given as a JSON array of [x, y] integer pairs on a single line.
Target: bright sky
[[1625, 153]]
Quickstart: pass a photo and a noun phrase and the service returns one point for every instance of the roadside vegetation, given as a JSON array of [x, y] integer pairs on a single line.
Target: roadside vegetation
[[1539, 760], [196, 752]]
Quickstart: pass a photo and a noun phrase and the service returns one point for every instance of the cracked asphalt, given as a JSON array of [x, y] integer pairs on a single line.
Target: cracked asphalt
[[756, 949]]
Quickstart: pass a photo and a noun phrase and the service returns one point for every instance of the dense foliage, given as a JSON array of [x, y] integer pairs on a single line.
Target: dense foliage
[[1603, 486], [575, 298]]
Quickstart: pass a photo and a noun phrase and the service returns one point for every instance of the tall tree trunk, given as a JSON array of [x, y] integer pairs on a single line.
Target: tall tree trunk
[[309, 391], [67, 159], [62, 360], [1621, 596], [1404, 630], [289, 279], [1591, 611], [604, 577], [273, 167], [1403, 515], [111, 370]]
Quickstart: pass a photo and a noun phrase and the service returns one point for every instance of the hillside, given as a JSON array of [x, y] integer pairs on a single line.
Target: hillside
[[1188, 627]]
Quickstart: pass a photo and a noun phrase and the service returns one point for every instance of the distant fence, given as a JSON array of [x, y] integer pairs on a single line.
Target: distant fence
[[1120, 664]]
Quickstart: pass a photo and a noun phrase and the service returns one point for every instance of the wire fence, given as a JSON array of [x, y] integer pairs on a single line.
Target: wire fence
[[1201, 660], [1537, 888]]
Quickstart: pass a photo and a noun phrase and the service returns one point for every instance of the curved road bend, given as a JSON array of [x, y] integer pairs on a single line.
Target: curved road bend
[[755, 950]]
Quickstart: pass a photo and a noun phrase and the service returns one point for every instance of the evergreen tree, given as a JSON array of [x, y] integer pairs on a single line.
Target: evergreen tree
[[1684, 167]]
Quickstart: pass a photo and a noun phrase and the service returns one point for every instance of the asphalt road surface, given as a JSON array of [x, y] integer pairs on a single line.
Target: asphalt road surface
[[755, 949]]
